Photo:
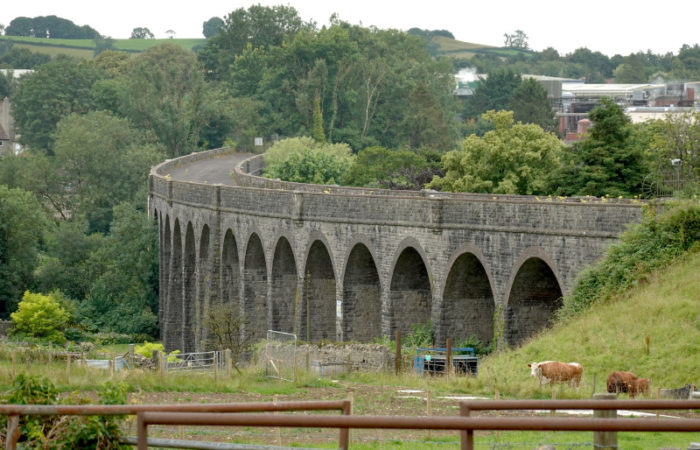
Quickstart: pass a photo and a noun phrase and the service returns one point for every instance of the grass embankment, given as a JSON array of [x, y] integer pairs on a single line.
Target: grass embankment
[[611, 335]]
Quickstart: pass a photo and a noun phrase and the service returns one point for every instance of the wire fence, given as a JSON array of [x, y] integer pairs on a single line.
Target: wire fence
[[196, 361], [280, 355]]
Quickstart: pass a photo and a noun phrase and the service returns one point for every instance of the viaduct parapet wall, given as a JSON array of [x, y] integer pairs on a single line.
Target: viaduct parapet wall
[[339, 263]]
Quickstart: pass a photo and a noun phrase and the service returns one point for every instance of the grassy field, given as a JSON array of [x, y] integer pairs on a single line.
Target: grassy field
[[83, 48], [460, 49]]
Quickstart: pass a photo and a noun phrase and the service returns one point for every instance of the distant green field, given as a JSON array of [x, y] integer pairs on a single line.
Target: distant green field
[[460, 49], [55, 51], [83, 48]]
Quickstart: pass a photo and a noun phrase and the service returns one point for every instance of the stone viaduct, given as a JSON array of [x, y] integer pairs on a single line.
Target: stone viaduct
[[338, 263]]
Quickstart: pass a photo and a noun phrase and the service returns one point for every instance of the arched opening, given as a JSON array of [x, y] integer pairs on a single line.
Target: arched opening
[[190, 286], [362, 307], [230, 270], [410, 295], [164, 272], [534, 297], [318, 311], [174, 307], [467, 302], [284, 287], [255, 290], [203, 286]]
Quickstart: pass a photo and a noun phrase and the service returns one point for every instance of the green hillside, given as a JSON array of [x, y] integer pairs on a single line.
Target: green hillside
[[611, 335], [83, 48], [460, 49]]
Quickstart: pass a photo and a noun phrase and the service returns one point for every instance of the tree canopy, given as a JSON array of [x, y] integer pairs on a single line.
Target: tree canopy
[[22, 225], [512, 159], [609, 161], [141, 33], [49, 27], [54, 90]]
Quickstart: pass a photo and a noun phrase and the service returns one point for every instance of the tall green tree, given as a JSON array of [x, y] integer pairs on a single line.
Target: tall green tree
[[530, 104], [493, 92], [212, 26], [164, 91], [257, 26], [22, 225], [126, 271], [631, 71], [141, 33], [609, 161], [101, 161], [52, 91], [512, 159]]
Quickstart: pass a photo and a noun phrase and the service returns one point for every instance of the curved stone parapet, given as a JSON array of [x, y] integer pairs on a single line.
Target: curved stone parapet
[[342, 263]]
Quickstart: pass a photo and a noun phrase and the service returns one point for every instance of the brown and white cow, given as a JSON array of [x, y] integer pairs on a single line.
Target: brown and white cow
[[557, 371], [620, 381], [639, 386]]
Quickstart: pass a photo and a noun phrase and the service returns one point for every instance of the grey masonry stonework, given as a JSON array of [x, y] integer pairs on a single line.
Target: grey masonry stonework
[[355, 264]]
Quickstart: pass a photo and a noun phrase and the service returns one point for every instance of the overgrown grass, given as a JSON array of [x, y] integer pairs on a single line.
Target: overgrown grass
[[611, 335], [654, 243]]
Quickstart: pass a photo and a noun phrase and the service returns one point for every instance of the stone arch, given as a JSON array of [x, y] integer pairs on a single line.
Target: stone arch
[[163, 270], [318, 306], [174, 306], [362, 306], [534, 294], [467, 298], [189, 291], [284, 286], [230, 271], [410, 289], [255, 289], [203, 285]]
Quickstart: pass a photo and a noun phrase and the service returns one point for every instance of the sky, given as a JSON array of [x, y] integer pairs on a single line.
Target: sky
[[611, 27]]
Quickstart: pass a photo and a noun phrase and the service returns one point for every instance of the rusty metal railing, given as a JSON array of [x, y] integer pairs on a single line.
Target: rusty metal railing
[[221, 415], [466, 406], [15, 411], [415, 422]]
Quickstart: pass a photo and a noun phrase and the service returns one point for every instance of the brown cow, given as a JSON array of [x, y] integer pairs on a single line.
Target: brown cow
[[640, 386], [557, 371], [620, 381]]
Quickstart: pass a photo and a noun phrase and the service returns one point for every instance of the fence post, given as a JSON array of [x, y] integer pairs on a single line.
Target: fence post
[[229, 362], [156, 360], [132, 351], [216, 368], [467, 436], [344, 439], [114, 364], [14, 369], [13, 432], [605, 439], [68, 368], [397, 358]]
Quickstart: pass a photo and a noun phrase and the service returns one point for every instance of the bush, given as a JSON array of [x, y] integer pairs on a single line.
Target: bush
[[40, 316], [69, 431], [303, 160], [147, 350]]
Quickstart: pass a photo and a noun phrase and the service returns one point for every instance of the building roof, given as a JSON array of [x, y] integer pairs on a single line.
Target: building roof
[[599, 90]]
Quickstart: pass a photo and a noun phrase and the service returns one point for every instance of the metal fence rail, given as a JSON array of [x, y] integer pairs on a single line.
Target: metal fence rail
[[414, 422], [203, 361], [15, 411]]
